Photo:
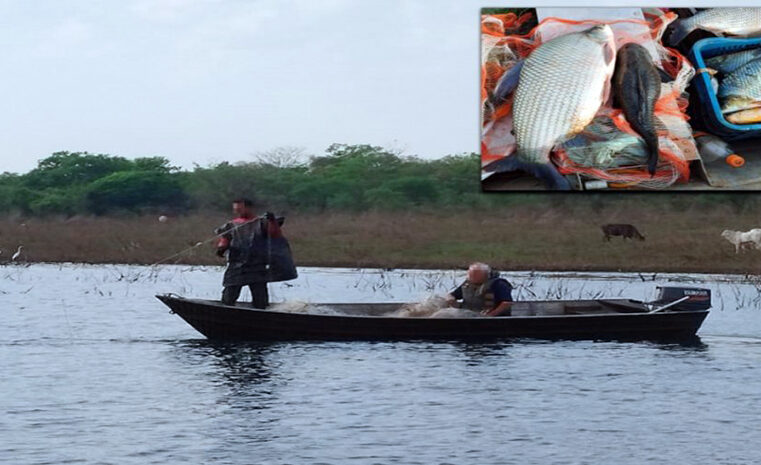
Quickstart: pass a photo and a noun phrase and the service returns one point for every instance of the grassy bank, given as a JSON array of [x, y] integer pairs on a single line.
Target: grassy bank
[[679, 239]]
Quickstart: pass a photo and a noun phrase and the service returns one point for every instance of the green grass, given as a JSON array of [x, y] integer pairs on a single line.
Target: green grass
[[527, 237]]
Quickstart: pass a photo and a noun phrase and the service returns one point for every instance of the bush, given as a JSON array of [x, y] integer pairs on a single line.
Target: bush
[[384, 198], [53, 201], [133, 190]]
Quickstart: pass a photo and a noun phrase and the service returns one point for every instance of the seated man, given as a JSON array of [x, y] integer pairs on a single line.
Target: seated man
[[484, 292]]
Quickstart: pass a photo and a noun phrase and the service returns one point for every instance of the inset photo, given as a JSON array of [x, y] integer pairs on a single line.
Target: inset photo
[[620, 99]]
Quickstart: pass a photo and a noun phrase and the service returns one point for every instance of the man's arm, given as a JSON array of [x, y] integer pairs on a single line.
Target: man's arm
[[273, 225], [223, 242], [454, 296], [503, 298], [503, 308]]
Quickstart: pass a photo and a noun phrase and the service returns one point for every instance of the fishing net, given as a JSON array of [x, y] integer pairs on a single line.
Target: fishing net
[[432, 307], [590, 153]]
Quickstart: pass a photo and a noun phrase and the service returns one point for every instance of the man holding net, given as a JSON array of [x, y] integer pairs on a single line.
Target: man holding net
[[257, 253], [483, 291]]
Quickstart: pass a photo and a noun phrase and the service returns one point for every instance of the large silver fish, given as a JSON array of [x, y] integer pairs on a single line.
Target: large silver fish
[[735, 21], [742, 89], [726, 64], [562, 85]]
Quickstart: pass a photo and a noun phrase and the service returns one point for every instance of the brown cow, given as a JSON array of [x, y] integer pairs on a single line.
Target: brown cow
[[626, 231]]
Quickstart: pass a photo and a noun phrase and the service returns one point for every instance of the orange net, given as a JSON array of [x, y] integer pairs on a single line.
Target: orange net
[[501, 49]]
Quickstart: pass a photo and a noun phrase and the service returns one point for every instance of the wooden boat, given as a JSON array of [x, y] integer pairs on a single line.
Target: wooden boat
[[676, 315]]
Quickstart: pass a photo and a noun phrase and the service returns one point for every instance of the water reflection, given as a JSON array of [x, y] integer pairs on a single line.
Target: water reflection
[[238, 364], [688, 345], [478, 353]]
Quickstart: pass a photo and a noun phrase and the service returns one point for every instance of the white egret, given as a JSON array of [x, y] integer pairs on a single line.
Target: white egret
[[17, 254]]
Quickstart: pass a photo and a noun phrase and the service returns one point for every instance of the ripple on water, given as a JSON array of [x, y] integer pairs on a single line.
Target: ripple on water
[[95, 370]]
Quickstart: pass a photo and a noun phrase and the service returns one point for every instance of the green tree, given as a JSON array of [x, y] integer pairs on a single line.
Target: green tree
[[134, 190], [384, 198], [416, 190], [63, 169], [155, 164]]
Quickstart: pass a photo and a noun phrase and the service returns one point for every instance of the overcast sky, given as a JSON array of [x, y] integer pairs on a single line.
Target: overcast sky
[[201, 81]]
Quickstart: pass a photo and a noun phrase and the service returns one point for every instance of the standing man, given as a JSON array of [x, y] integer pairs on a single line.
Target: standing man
[[257, 253], [484, 292]]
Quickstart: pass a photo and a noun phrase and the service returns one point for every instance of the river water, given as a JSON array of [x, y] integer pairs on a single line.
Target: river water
[[93, 369]]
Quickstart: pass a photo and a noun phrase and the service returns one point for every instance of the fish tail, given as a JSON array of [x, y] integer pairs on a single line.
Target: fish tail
[[507, 83], [546, 172], [652, 158], [681, 30]]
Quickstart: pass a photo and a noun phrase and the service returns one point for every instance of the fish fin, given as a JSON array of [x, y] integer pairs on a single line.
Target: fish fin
[[610, 57], [546, 172], [507, 83], [609, 52], [679, 32]]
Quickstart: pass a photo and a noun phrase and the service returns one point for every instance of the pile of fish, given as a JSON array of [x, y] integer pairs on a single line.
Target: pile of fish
[[560, 88], [602, 145], [739, 88], [742, 22]]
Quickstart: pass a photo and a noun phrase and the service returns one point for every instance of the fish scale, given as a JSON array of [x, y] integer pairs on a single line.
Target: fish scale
[[734, 21], [561, 88], [726, 64], [742, 89]]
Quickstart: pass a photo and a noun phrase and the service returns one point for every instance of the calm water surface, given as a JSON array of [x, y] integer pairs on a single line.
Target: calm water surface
[[93, 369]]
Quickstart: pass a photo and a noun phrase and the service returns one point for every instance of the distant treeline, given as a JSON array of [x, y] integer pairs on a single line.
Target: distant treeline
[[347, 178]]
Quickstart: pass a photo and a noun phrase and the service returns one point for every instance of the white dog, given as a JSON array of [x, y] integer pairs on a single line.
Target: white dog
[[743, 239]]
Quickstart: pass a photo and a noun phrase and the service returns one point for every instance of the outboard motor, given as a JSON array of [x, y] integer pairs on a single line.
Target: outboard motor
[[697, 298]]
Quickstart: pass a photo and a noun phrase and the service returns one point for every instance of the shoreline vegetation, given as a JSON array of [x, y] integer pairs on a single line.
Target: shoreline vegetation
[[358, 206], [516, 239]]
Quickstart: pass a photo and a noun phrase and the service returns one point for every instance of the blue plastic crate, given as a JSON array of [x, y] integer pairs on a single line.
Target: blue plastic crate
[[711, 110]]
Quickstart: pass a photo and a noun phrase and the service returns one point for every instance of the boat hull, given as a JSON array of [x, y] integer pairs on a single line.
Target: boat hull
[[221, 322]]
